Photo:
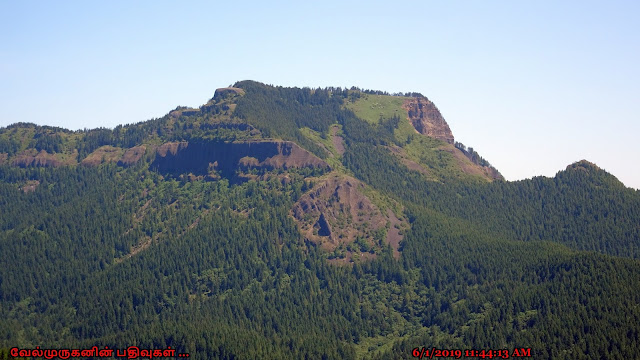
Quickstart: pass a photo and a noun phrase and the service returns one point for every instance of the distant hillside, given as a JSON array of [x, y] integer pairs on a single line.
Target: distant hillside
[[232, 116], [290, 223]]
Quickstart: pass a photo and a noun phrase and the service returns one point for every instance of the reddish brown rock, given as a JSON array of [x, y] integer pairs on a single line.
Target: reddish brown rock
[[337, 140], [289, 154], [336, 212], [171, 148], [248, 161], [101, 155], [30, 186], [132, 155], [44, 159], [427, 120]]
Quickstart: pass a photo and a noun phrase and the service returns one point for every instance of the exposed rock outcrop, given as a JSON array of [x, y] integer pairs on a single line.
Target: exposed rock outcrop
[[335, 213], [114, 154], [3, 157], [30, 186], [132, 156], [32, 157], [101, 155], [201, 157], [427, 120], [337, 140]]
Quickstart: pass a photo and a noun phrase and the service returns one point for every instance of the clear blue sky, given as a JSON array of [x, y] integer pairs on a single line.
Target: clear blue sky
[[532, 85]]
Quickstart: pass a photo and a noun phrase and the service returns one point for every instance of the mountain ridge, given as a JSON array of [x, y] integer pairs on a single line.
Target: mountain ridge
[[292, 223], [50, 150], [39, 156]]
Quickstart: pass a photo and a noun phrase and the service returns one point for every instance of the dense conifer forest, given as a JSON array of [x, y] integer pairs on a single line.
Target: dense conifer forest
[[122, 253]]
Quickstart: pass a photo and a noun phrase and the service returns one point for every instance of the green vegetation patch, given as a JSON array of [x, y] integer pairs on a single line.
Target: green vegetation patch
[[371, 107], [440, 164], [322, 139]]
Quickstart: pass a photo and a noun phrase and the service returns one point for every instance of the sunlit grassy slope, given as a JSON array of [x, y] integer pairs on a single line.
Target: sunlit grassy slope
[[435, 156]]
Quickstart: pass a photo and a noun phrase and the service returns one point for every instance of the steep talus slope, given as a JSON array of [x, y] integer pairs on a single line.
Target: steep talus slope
[[336, 213], [337, 140]]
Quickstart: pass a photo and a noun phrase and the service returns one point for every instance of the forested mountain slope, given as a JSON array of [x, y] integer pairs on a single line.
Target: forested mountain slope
[[293, 223]]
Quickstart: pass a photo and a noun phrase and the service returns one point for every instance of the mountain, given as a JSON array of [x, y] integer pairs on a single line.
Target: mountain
[[293, 223]]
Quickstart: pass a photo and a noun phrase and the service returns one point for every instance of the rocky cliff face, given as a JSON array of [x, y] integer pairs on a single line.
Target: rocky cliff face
[[427, 120], [101, 155], [124, 157], [336, 213], [202, 157], [32, 157], [132, 155]]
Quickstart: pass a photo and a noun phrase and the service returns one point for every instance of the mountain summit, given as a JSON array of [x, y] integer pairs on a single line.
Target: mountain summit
[[289, 223]]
